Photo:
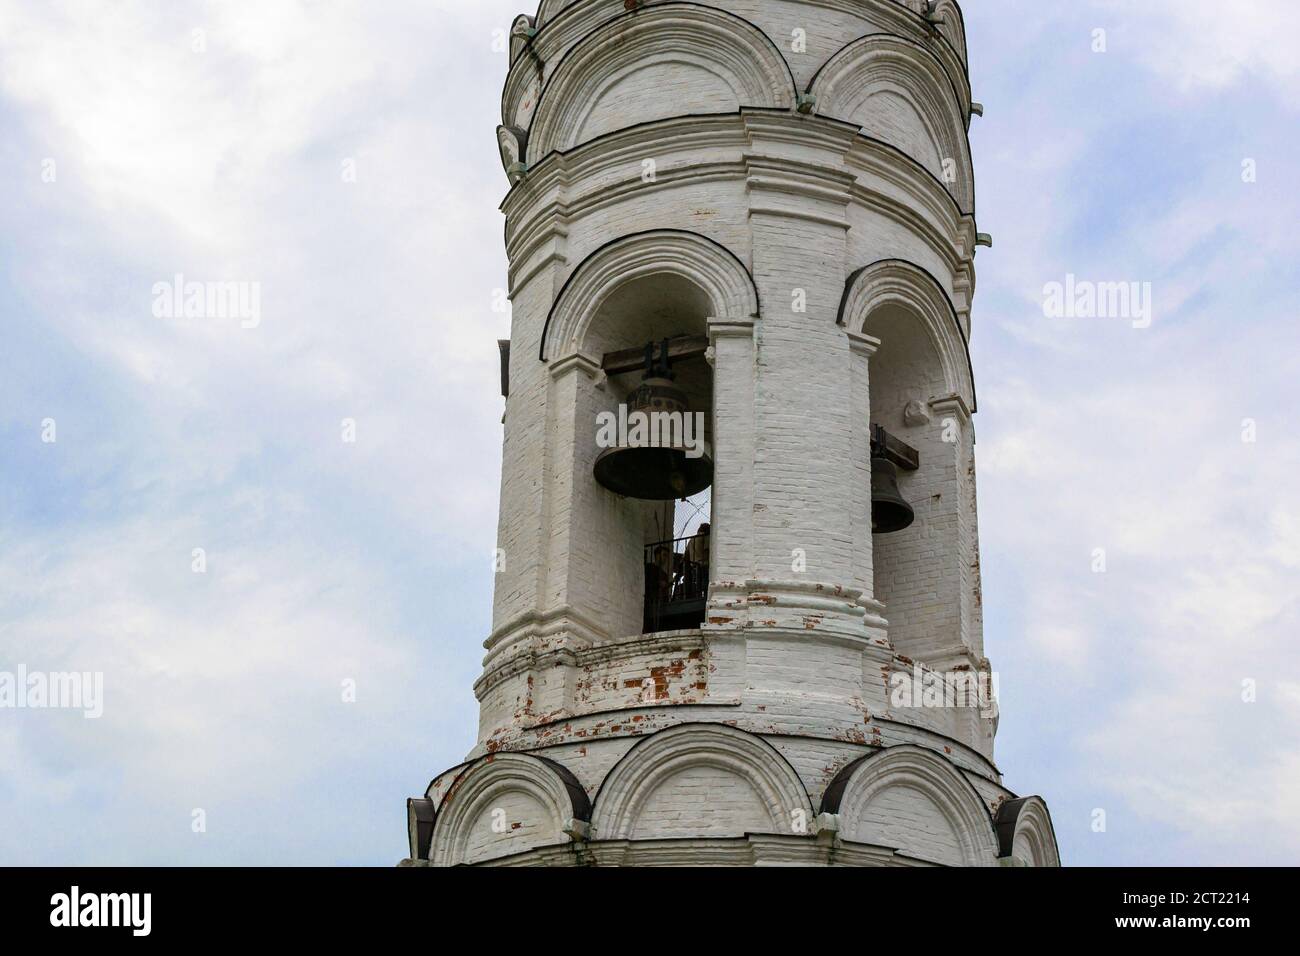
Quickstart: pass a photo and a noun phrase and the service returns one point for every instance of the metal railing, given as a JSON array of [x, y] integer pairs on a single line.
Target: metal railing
[[676, 584]]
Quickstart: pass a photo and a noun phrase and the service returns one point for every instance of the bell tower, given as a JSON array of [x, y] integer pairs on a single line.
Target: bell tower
[[741, 240]]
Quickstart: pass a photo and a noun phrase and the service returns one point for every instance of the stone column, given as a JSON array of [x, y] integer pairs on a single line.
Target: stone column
[[862, 348], [966, 646], [731, 353]]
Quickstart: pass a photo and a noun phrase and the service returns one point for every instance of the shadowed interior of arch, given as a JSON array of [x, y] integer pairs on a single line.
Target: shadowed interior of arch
[[651, 309], [905, 372]]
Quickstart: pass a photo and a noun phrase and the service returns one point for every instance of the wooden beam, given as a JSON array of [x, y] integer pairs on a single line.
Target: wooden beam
[[680, 349], [896, 450]]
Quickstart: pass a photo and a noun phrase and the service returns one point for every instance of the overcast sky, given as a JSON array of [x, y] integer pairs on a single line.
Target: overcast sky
[[128, 157]]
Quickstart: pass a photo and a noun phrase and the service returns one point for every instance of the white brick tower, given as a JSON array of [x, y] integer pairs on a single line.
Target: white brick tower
[[782, 190]]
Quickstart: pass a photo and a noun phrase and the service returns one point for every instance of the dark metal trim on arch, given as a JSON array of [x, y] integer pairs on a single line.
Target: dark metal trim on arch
[[559, 298], [578, 799], [952, 309], [1005, 825], [420, 816], [1009, 817], [834, 794]]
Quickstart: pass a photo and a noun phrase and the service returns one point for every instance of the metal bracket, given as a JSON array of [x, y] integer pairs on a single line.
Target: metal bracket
[[680, 349]]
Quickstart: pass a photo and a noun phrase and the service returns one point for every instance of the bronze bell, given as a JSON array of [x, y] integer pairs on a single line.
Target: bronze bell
[[664, 472], [890, 511]]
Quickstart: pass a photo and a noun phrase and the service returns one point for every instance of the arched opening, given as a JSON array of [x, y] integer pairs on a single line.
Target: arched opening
[[636, 290], [667, 314], [911, 566]]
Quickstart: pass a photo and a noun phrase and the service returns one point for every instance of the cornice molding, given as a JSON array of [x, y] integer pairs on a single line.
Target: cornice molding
[[560, 25], [564, 188]]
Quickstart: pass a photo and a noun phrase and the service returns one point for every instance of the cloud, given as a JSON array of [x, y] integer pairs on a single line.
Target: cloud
[[326, 560], [1210, 46], [1128, 684]]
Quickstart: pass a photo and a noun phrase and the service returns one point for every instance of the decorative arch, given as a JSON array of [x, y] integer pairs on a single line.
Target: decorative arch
[[899, 282], [521, 33], [1025, 833], [725, 782], [959, 826], [614, 77], [954, 26], [897, 91], [536, 798], [547, 9], [714, 268]]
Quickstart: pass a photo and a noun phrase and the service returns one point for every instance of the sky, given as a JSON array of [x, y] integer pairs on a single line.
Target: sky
[[332, 465]]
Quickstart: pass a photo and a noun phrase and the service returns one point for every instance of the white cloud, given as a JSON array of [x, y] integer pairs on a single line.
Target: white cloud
[[1209, 45], [1198, 594], [325, 559]]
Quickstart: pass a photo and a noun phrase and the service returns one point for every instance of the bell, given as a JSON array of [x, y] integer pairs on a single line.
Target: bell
[[650, 469], [890, 511]]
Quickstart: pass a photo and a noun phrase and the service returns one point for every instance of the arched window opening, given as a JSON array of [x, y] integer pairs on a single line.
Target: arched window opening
[[655, 440], [906, 376]]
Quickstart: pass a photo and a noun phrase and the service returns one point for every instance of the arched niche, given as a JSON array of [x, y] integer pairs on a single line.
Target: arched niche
[[700, 780], [649, 308], [953, 27], [910, 799], [643, 309], [922, 606], [506, 804], [685, 259], [642, 288], [1026, 836], [896, 285], [672, 59], [898, 92], [919, 365]]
